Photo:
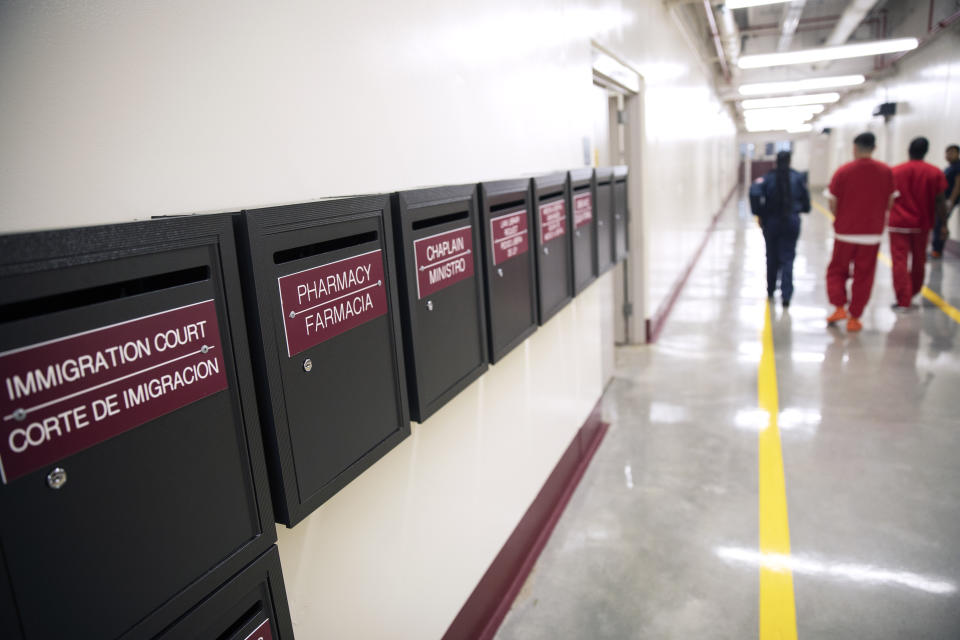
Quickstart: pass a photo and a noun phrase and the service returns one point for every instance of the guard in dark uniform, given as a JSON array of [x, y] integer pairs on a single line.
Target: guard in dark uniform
[[777, 200]]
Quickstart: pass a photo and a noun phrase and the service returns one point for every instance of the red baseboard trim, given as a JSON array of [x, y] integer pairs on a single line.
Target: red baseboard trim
[[659, 318], [493, 596]]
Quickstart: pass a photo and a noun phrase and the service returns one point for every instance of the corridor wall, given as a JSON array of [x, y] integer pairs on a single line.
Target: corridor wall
[[686, 150], [119, 111]]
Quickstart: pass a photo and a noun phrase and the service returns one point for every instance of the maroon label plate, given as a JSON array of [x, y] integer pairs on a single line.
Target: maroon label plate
[[582, 209], [323, 302], [509, 236], [262, 632], [443, 259], [553, 220], [65, 395]]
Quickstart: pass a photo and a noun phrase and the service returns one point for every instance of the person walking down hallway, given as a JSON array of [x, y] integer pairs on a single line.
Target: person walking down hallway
[[860, 194], [918, 207], [777, 200], [952, 195]]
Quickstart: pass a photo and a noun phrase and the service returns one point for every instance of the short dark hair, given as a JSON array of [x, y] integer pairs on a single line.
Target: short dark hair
[[918, 148], [866, 141], [954, 147], [783, 159]]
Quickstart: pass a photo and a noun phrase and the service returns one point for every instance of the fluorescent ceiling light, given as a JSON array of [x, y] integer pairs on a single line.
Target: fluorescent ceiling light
[[822, 54], [801, 128], [808, 84], [784, 112], [756, 128], [743, 4], [790, 101]]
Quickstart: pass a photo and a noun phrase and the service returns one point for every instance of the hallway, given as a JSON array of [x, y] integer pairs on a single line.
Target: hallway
[[660, 539]]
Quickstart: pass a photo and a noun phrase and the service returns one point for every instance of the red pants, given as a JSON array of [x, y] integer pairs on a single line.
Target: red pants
[[907, 281], [864, 259]]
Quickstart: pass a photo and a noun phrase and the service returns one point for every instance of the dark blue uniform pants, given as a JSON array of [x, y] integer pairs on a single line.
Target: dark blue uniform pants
[[781, 238], [939, 237]]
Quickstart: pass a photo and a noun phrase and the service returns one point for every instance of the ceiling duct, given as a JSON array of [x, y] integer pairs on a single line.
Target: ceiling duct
[[791, 20]]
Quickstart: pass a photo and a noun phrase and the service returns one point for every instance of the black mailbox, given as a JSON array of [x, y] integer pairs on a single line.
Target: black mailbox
[[441, 293], [605, 225], [584, 222], [252, 605], [321, 296], [554, 250], [509, 264], [134, 481], [621, 214]]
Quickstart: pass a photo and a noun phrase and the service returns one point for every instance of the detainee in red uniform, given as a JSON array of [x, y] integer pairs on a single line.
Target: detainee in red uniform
[[860, 195], [920, 204]]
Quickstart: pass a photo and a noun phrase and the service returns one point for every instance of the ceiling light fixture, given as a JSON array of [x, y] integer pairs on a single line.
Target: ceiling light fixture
[[784, 112], [743, 4], [807, 84], [801, 128], [791, 101], [823, 54]]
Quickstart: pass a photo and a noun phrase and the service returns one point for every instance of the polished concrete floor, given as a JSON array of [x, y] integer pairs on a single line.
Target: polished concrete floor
[[661, 537]]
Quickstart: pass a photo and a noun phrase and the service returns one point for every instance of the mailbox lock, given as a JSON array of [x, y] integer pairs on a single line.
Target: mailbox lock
[[19, 414], [600, 222], [577, 232], [293, 314], [204, 349], [429, 305], [546, 250], [56, 478], [307, 365], [500, 271]]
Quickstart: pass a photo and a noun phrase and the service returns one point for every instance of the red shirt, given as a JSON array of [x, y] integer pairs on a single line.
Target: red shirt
[[862, 189], [919, 184]]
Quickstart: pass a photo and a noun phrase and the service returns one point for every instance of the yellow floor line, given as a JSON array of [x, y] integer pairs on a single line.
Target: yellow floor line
[[778, 619], [926, 292]]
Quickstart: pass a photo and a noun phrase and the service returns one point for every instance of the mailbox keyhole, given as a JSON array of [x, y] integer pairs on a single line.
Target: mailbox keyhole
[[57, 478], [500, 271], [546, 250], [429, 305], [308, 365]]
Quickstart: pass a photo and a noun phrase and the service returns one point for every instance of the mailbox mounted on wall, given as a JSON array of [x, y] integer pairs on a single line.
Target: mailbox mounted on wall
[[605, 223], [621, 215], [441, 293], [554, 250], [324, 323], [584, 222], [252, 605], [509, 264], [133, 478]]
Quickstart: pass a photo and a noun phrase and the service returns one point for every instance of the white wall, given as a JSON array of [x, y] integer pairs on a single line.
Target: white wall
[[120, 110], [687, 152]]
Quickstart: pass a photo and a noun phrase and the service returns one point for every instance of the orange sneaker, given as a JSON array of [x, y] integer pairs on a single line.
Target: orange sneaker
[[854, 325], [837, 316]]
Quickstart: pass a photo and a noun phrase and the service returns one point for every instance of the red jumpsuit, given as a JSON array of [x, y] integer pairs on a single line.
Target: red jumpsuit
[[862, 189], [911, 218]]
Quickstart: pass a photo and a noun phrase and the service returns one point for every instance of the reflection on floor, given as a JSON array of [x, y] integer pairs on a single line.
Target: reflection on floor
[[661, 537]]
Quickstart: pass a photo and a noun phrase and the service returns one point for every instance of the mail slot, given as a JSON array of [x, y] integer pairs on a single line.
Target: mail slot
[[621, 214], [251, 605], [321, 295], [133, 476], [605, 221], [583, 191], [441, 293], [509, 264], [554, 251]]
